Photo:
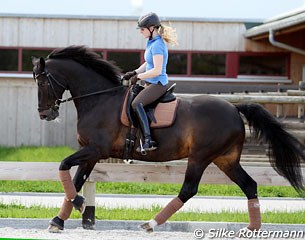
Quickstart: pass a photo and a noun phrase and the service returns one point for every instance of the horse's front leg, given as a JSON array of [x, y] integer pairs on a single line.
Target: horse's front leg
[[88, 154]]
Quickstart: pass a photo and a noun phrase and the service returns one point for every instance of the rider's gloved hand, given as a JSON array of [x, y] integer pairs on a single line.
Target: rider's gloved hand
[[134, 79], [128, 75]]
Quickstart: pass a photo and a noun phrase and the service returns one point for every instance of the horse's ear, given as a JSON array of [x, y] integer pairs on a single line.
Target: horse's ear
[[34, 60], [42, 62]]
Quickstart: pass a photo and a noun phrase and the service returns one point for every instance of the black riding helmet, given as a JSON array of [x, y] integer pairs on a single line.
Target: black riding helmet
[[149, 20]]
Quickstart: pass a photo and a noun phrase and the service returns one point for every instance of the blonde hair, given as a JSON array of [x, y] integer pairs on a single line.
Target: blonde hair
[[168, 34]]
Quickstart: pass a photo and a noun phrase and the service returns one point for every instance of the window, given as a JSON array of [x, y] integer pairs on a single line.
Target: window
[[27, 60], [208, 64], [180, 63], [125, 60], [8, 60], [177, 63], [263, 65]]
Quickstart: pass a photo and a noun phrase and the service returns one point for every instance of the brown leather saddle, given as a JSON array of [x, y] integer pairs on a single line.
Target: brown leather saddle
[[161, 113]]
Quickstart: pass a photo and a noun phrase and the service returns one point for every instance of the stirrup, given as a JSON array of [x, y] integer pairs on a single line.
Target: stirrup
[[149, 145]]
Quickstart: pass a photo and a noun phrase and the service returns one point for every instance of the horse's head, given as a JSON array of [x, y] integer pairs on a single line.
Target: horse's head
[[49, 90]]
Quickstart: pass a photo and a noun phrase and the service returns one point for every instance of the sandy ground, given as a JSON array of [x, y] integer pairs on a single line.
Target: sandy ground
[[80, 234]]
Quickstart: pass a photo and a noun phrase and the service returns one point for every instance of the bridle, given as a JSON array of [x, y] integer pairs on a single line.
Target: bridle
[[51, 80]]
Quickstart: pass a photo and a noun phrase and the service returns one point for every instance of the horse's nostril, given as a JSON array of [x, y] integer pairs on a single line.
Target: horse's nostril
[[42, 117]]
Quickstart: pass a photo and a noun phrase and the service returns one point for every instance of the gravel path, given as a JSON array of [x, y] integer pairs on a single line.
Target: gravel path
[[80, 234]]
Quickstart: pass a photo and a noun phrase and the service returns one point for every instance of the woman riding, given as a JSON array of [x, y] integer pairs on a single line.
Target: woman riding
[[152, 71]]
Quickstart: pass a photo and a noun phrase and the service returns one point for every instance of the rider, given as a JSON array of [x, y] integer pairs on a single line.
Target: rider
[[152, 71]]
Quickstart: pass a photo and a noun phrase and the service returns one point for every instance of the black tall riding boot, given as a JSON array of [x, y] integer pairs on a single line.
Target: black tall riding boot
[[148, 144]]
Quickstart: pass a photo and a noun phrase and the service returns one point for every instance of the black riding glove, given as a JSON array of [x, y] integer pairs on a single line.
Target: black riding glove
[[128, 75], [134, 79]]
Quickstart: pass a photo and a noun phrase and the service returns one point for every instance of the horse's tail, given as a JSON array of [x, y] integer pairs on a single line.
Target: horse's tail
[[285, 151]]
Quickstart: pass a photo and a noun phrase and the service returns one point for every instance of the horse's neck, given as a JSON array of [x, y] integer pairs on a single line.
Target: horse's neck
[[87, 84], [98, 105], [82, 81]]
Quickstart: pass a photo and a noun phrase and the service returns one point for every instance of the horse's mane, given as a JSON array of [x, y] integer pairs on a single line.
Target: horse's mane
[[88, 58]]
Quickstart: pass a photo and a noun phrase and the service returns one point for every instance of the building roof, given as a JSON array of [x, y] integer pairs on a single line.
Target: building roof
[[289, 22]]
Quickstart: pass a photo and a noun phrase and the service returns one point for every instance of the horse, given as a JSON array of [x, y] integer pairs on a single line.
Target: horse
[[206, 130]]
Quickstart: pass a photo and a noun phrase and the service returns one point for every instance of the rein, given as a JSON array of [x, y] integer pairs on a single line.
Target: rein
[[59, 101]]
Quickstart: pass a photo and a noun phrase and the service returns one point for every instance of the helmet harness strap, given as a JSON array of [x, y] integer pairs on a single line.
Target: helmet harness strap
[[151, 33]]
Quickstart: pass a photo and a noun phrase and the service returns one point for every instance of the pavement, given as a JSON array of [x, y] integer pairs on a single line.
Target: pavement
[[196, 204]]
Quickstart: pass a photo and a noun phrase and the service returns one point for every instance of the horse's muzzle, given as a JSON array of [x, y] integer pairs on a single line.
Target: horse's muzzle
[[48, 114]]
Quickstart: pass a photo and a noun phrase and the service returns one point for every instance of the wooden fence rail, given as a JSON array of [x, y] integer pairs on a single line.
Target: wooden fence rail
[[160, 173], [279, 99]]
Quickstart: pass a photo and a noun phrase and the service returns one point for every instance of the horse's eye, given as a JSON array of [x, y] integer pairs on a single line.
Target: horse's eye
[[41, 83]]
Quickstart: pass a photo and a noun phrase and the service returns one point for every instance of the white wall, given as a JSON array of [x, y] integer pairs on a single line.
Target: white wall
[[19, 119], [115, 33]]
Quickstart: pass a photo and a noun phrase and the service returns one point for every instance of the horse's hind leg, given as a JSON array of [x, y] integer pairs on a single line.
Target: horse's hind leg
[[193, 175], [238, 175]]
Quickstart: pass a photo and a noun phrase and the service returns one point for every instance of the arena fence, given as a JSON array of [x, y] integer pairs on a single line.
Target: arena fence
[[153, 172]]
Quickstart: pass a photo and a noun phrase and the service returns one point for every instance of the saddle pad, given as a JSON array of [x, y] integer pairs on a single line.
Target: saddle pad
[[165, 114]]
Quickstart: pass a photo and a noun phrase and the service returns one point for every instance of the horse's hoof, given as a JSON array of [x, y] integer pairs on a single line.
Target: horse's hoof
[[54, 229], [82, 208], [243, 231], [88, 227], [128, 161], [79, 203], [146, 227], [56, 225]]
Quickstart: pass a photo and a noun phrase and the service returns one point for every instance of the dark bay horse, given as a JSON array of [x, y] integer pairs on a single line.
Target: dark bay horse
[[207, 130]]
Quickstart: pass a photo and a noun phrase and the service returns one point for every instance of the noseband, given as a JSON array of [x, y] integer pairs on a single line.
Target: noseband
[[58, 101]]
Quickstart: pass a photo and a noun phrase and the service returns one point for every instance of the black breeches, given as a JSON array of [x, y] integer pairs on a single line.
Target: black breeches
[[149, 94]]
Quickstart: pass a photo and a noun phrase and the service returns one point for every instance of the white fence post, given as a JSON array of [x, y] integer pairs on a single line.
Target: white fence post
[[88, 218]]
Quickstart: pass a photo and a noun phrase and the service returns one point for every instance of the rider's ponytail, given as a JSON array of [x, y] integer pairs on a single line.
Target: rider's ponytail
[[168, 34]]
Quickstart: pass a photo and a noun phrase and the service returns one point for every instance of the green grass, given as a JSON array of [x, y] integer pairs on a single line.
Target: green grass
[[147, 188], [204, 189], [35, 154], [17, 211]]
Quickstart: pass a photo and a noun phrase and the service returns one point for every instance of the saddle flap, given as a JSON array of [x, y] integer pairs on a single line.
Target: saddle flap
[[165, 114]]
